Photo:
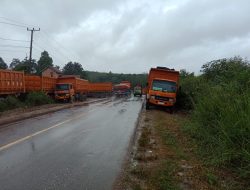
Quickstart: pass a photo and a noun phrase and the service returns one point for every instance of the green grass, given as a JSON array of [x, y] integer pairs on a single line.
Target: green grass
[[220, 119], [221, 126], [164, 178]]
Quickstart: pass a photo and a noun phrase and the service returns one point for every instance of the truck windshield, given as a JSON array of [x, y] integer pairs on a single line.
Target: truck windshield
[[62, 87], [164, 86], [137, 88]]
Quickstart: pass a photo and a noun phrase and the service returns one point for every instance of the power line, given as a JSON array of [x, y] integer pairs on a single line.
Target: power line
[[8, 23], [59, 44], [52, 52], [58, 47], [8, 39], [4, 50], [52, 47], [17, 22], [13, 46]]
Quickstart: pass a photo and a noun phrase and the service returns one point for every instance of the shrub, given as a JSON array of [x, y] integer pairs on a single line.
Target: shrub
[[10, 102], [38, 98], [220, 121], [221, 124]]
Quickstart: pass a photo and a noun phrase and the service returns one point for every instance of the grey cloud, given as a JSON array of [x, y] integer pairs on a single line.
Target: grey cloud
[[132, 36]]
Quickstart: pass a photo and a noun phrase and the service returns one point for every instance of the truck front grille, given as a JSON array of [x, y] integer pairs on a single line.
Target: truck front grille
[[161, 98]]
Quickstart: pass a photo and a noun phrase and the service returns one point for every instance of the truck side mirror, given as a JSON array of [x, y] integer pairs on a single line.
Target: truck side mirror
[[147, 84]]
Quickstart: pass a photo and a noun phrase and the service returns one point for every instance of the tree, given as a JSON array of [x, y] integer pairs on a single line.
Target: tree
[[14, 63], [184, 74], [26, 66], [226, 70], [44, 62], [74, 69], [3, 65]]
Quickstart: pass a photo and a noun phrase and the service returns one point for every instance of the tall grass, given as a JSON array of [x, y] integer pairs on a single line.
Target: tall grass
[[221, 124], [220, 120]]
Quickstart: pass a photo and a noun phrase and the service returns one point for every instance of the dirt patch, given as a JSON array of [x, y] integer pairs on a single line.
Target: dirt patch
[[165, 157]]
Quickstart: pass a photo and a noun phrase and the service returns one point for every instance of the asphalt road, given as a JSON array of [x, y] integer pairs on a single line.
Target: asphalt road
[[78, 148]]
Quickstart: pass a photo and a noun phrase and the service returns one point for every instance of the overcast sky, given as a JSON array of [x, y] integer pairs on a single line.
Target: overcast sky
[[127, 36]]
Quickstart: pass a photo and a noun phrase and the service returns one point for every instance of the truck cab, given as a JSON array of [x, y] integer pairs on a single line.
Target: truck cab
[[162, 87], [64, 92], [138, 90]]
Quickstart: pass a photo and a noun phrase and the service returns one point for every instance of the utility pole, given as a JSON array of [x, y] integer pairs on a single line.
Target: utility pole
[[31, 41]]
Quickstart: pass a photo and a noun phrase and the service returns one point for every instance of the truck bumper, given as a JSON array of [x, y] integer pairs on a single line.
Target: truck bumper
[[61, 97], [161, 103]]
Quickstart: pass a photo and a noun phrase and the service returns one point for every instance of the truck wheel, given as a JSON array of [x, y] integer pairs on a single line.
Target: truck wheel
[[71, 100], [147, 106], [171, 110]]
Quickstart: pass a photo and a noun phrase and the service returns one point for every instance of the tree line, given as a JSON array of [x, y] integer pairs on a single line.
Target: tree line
[[71, 68]]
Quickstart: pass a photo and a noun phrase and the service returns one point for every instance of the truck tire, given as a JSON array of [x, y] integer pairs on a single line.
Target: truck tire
[[171, 110], [71, 99], [147, 106]]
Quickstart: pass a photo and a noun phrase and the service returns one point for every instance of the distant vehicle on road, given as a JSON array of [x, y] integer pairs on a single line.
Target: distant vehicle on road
[[122, 89], [162, 86], [138, 90], [71, 88]]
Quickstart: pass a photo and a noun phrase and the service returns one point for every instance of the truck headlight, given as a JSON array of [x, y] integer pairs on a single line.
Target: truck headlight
[[152, 97], [171, 100], [67, 94]]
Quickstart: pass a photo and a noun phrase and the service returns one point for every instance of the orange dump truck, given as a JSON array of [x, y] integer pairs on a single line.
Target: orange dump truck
[[37, 83], [11, 82], [70, 88], [162, 87], [100, 89]]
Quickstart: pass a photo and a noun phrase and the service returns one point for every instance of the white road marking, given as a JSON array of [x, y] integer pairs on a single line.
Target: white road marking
[[37, 133]]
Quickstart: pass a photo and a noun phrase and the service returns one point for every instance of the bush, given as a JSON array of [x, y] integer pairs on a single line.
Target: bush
[[38, 98], [220, 120], [10, 102], [221, 124]]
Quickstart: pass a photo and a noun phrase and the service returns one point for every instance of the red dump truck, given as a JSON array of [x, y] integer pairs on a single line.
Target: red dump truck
[[122, 89], [11, 82], [70, 88], [100, 89], [162, 87]]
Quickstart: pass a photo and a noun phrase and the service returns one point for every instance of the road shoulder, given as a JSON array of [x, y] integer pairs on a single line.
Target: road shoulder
[[165, 157]]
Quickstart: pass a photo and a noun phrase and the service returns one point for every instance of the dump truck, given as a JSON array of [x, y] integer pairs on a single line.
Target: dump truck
[[126, 83], [138, 90], [100, 89], [162, 86], [35, 83], [71, 88], [11, 83], [122, 89]]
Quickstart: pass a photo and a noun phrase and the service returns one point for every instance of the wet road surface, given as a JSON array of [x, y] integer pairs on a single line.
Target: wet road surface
[[77, 148]]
